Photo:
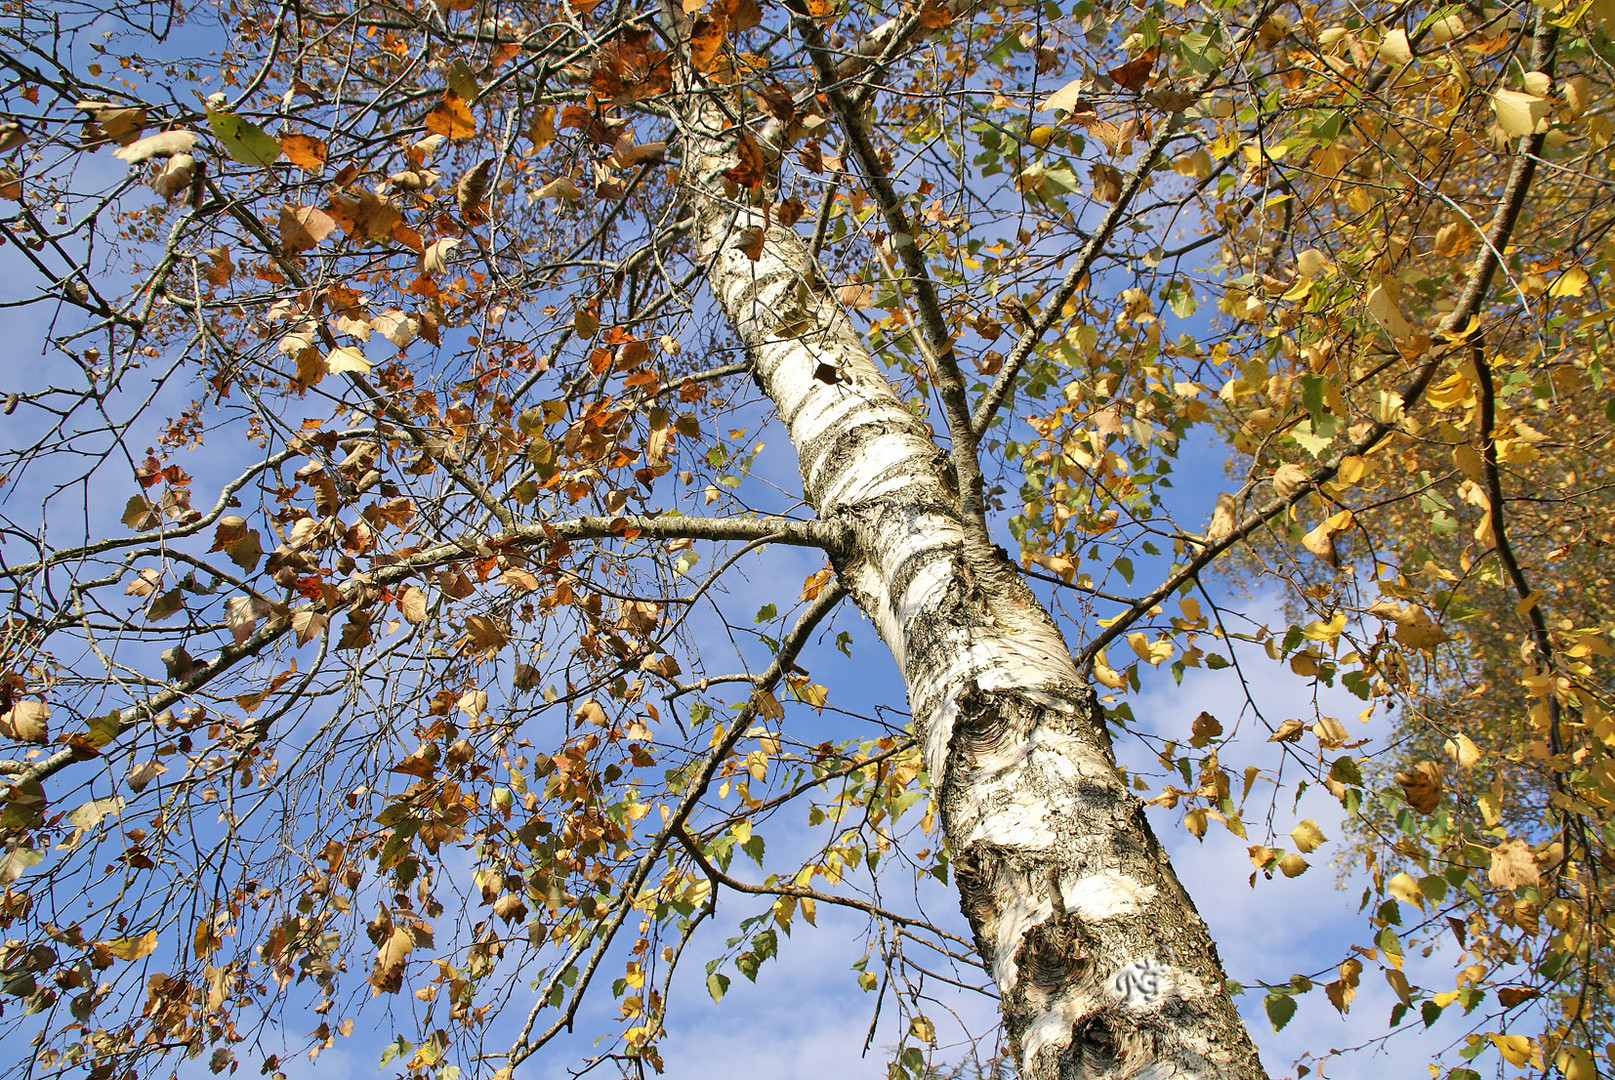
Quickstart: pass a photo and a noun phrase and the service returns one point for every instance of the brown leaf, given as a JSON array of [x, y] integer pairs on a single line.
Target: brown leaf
[[143, 774], [779, 101], [1510, 996], [1422, 786], [562, 187], [303, 227], [857, 296], [1289, 479], [1289, 731], [25, 722], [740, 14], [1205, 727], [1170, 101], [1513, 865], [1136, 72], [510, 908], [472, 187], [790, 211], [1107, 183], [111, 122], [412, 605], [751, 168], [750, 241]]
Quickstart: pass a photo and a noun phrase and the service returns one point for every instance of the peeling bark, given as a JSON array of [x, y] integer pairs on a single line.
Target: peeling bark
[[1105, 967]]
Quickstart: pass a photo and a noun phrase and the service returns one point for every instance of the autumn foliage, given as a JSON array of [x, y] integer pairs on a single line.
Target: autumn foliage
[[387, 504]]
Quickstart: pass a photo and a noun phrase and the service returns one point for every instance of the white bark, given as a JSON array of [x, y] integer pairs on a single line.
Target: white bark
[[1105, 967]]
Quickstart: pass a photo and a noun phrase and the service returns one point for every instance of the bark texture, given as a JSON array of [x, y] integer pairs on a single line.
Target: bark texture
[[1105, 967]]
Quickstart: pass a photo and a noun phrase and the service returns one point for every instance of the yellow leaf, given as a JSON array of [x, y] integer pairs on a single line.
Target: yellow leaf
[[1395, 50], [1319, 630], [1150, 651], [133, 948], [815, 583], [1516, 1049], [1570, 283], [1321, 539], [1105, 675], [767, 705], [1195, 822], [1382, 308], [1576, 1063], [1513, 865], [1293, 865], [1065, 98], [435, 259], [1307, 835], [1451, 391], [1197, 164], [811, 694], [1399, 983], [1463, 750], [1406, 889], [304, 151], [1352, 469], [396, 947], [346, 358], [1520, 114]]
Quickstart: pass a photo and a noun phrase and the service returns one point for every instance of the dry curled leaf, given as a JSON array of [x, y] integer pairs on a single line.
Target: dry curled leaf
[[468, 193], [162, 145]]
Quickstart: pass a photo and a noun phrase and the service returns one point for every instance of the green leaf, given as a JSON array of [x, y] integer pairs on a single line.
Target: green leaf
[[399, 1045], [1180, 298], [243, 140], [717, 985], [103, 729], [1280, 1008]]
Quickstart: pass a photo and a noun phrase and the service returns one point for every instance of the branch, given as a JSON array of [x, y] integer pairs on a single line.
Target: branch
[[527, 1043], [1078, 271], [802, 893], [1454, 327], [944, 367], [356, 591]]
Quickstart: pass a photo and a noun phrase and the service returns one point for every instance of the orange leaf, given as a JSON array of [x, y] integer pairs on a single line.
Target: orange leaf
[[815, 584], [705, 41], [751, 169], [452, 119], [304, 151]]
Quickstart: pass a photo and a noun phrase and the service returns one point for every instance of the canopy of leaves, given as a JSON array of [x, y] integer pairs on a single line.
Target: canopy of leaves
[[377, 511]]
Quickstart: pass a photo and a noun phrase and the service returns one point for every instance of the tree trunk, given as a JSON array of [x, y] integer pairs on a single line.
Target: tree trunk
[[1105, 967]]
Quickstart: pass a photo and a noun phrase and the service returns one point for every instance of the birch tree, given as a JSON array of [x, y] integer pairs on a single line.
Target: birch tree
[[399, 431]]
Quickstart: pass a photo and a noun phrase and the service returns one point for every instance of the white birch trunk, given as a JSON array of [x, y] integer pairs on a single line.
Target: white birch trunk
[[1105, 967]]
